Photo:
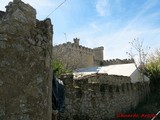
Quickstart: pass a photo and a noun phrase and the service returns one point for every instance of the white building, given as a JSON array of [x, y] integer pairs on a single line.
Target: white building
[[128, 70]]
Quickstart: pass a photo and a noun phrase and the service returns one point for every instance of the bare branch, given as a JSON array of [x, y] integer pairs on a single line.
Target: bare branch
[[140, 53]]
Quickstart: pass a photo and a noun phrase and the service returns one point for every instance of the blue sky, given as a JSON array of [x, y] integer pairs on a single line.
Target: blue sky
[[109, 23]]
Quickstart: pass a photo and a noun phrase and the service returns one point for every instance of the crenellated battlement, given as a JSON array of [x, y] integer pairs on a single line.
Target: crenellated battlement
[[84, 56], [99, 48], [97, 78], [117, 61], [101, 95], [74, 47]]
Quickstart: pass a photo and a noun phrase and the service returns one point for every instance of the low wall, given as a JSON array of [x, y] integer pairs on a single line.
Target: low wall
[[101, 96], [116, 61]]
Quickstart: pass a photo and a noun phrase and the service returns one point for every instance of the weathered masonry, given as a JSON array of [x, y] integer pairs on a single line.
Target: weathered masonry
[[25, 64], [101, 96], [78, 56]]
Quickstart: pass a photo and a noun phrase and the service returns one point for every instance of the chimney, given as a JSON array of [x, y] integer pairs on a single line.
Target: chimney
[[76, 41]]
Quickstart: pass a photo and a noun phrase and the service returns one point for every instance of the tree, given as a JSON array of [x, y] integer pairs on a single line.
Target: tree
[[139, 54]]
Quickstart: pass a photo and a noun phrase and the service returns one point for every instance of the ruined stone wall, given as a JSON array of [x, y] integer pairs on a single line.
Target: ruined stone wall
[[25, 64], [100, 96]]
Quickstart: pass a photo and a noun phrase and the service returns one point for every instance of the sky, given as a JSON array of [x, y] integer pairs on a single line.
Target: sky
[[108, 23]]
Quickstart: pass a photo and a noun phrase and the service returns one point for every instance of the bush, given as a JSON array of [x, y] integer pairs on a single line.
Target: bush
[[58, 68], [153, 70]]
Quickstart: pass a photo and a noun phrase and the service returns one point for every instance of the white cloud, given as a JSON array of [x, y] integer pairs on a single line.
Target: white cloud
[[102, 7], [116, 43], [98, 33], [139, 17]]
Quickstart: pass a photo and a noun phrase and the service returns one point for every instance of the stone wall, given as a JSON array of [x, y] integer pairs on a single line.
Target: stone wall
[[1, 14], [99, 96], [116, 61], [98, 55], [73, 55], [78, 56], [25, 64]]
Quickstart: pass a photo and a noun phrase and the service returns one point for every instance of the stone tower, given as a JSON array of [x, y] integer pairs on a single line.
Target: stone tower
[[76, 41], [98, 55]]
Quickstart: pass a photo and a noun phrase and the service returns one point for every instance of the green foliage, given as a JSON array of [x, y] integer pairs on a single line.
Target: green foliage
[[151, 103], [58, 68], [153, 70]]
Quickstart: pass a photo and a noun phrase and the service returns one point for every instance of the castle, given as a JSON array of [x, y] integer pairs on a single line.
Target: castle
[[102, 88], [78, 56], [26, 73], [74, 55]]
